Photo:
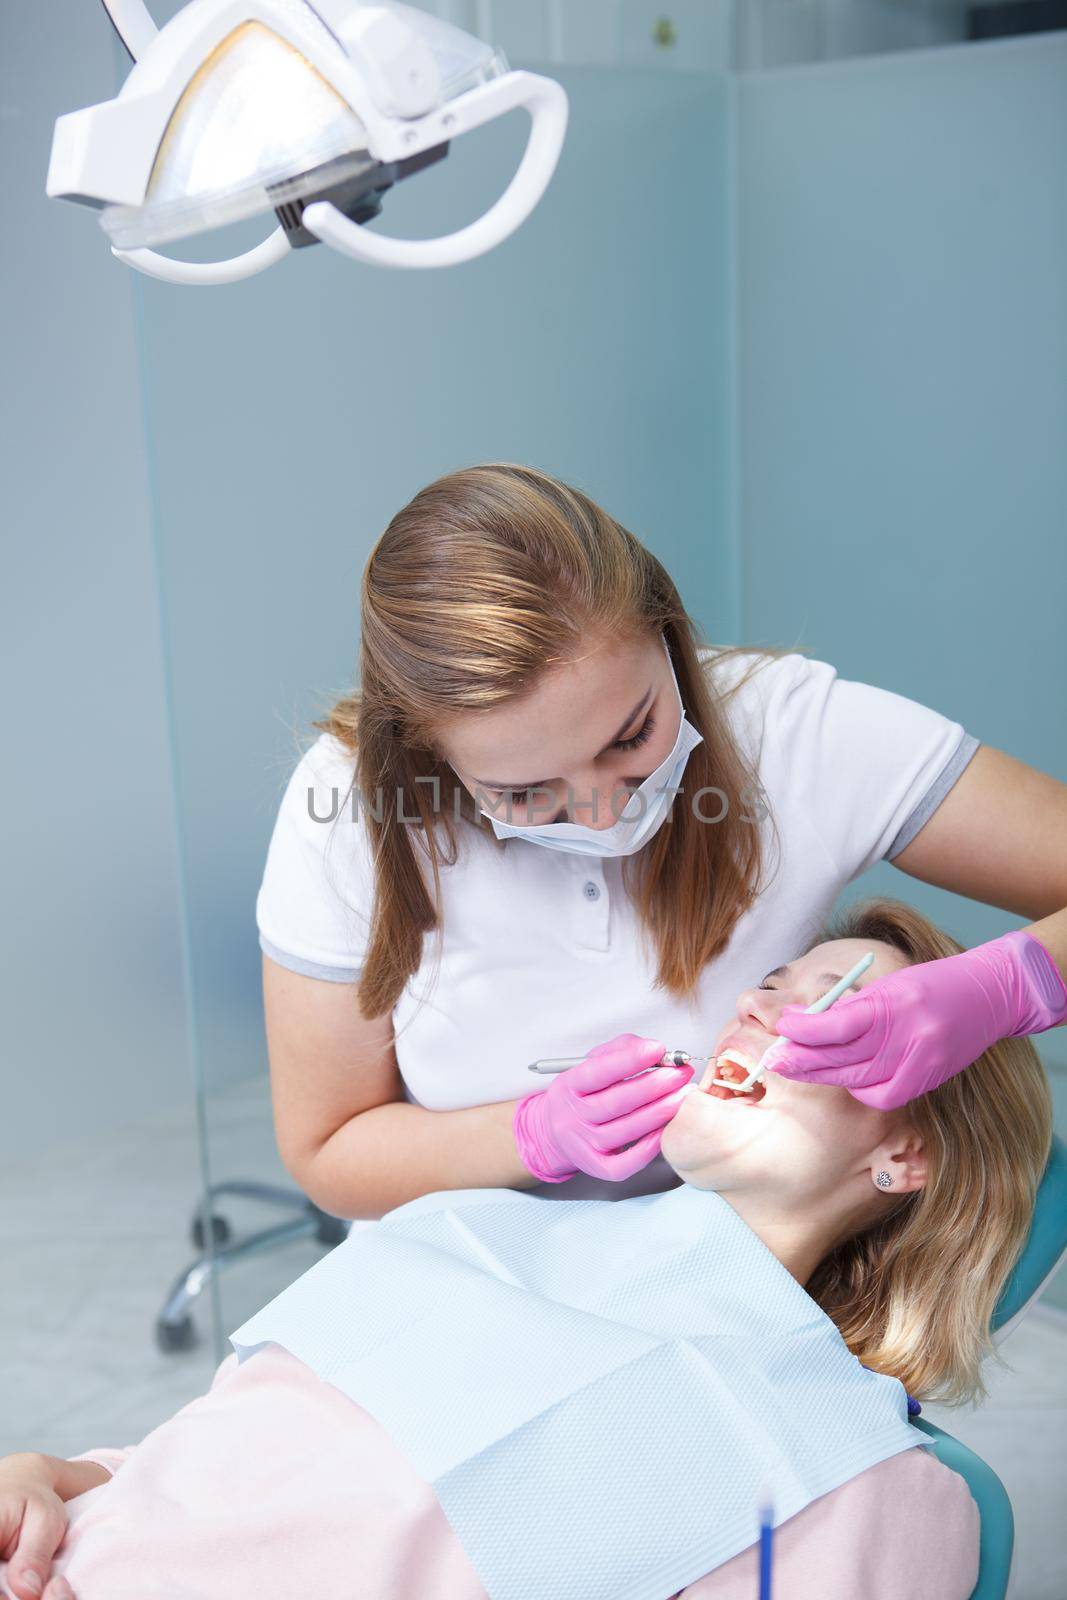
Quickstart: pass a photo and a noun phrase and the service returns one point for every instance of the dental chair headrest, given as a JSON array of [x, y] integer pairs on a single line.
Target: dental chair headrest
[[1045, 1247]]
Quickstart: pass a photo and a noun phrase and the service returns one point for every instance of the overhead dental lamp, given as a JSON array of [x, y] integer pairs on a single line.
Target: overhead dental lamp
[[310, 109]]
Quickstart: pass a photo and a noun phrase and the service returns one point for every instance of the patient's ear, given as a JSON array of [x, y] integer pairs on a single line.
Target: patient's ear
[[898, 1166]]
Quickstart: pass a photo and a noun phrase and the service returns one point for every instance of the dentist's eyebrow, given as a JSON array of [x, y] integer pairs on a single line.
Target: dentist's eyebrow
[[536, 783]]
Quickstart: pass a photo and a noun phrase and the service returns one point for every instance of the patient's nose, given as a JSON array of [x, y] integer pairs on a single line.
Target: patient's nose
[[762, 1006]]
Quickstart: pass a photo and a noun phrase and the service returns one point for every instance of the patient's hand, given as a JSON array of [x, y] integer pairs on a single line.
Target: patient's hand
[[33, 1522]]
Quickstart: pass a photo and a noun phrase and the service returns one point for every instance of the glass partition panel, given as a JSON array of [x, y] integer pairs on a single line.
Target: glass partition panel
[[290, 417], [100, 1163]]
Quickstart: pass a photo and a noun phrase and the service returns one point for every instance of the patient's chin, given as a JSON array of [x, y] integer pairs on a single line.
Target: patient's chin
[[706, 1135], [684, 1147]]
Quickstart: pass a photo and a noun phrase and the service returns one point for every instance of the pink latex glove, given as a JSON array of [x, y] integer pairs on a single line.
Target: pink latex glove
[[581, 1122], [904, 1034]]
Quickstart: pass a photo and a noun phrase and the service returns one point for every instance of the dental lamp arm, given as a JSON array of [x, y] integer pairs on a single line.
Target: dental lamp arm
[[133, 24]]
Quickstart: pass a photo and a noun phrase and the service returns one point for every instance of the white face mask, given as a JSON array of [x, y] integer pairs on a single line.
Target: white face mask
[[642, 816]]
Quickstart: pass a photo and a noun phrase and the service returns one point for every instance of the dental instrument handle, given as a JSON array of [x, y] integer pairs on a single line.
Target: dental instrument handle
[[823, 1003], [682, 1058], [670, 1058]]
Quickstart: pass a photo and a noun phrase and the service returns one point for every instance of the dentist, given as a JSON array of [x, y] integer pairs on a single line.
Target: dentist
[[548, 823]]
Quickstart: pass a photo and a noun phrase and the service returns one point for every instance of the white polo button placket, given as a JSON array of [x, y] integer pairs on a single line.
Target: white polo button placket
[[591, 907]]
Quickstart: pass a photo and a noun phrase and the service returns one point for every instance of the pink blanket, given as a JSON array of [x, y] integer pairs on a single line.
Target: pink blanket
[[275, 1486]]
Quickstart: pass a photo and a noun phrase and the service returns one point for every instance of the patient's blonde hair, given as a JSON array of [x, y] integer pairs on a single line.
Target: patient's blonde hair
[[913, 1295]]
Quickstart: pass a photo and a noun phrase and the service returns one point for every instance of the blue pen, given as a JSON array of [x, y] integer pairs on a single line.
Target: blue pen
[[766, 1546]]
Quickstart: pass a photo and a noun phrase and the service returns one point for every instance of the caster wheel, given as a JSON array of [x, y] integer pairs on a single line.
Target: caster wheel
[[221, 1232], [174, 1336], [331, 1230]]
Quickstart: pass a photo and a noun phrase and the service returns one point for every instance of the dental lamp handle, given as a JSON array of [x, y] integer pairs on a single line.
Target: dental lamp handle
[[546, 102], [208, 274]]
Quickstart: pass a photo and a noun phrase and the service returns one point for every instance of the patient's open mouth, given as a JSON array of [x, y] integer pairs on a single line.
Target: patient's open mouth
[[734, 1066]]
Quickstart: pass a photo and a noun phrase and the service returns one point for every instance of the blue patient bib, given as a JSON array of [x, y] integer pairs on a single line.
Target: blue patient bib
[[599, 1392]]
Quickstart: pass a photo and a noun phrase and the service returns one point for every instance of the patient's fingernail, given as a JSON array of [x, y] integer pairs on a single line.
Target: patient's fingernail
[[31, 1580]]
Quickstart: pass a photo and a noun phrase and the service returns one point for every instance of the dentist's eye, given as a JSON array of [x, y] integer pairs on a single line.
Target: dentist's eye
[[641, 737], [523, 797]]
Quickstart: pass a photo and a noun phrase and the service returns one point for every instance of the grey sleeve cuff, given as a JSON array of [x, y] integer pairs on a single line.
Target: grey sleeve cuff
[[308, 969], [934, 795]]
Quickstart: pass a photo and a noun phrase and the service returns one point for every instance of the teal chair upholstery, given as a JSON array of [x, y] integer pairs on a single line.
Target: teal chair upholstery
[[997, 1524], [1045, 1245], [1045, 1248]]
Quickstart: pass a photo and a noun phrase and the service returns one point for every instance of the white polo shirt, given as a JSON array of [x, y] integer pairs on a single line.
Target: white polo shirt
[[540, 952]]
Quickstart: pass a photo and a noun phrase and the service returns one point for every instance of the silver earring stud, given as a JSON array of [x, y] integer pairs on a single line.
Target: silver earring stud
[[884, 1180]]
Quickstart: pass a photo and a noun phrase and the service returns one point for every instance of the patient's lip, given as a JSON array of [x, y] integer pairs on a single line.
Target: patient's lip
[[751, 1049], [751, 1097], [737, 1061]]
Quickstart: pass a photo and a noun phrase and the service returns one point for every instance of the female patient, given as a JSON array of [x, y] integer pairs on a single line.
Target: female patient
[[902, 1225]]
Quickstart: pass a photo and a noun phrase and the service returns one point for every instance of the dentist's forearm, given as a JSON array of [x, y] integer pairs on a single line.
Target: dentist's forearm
[[395, 1152], [1052, 933]]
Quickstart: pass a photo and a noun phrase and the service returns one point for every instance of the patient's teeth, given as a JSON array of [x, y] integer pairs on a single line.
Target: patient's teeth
[[738, 1059]]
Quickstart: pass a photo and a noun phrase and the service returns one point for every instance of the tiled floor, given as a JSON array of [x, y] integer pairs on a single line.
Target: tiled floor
[[91, 1239]]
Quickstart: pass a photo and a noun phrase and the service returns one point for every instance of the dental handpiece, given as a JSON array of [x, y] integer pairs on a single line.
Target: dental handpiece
[[669, 1058], [682, 1058]]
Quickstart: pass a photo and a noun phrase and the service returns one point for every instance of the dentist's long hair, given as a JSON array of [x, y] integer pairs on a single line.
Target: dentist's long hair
[[914, 1294], [483, 580]]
